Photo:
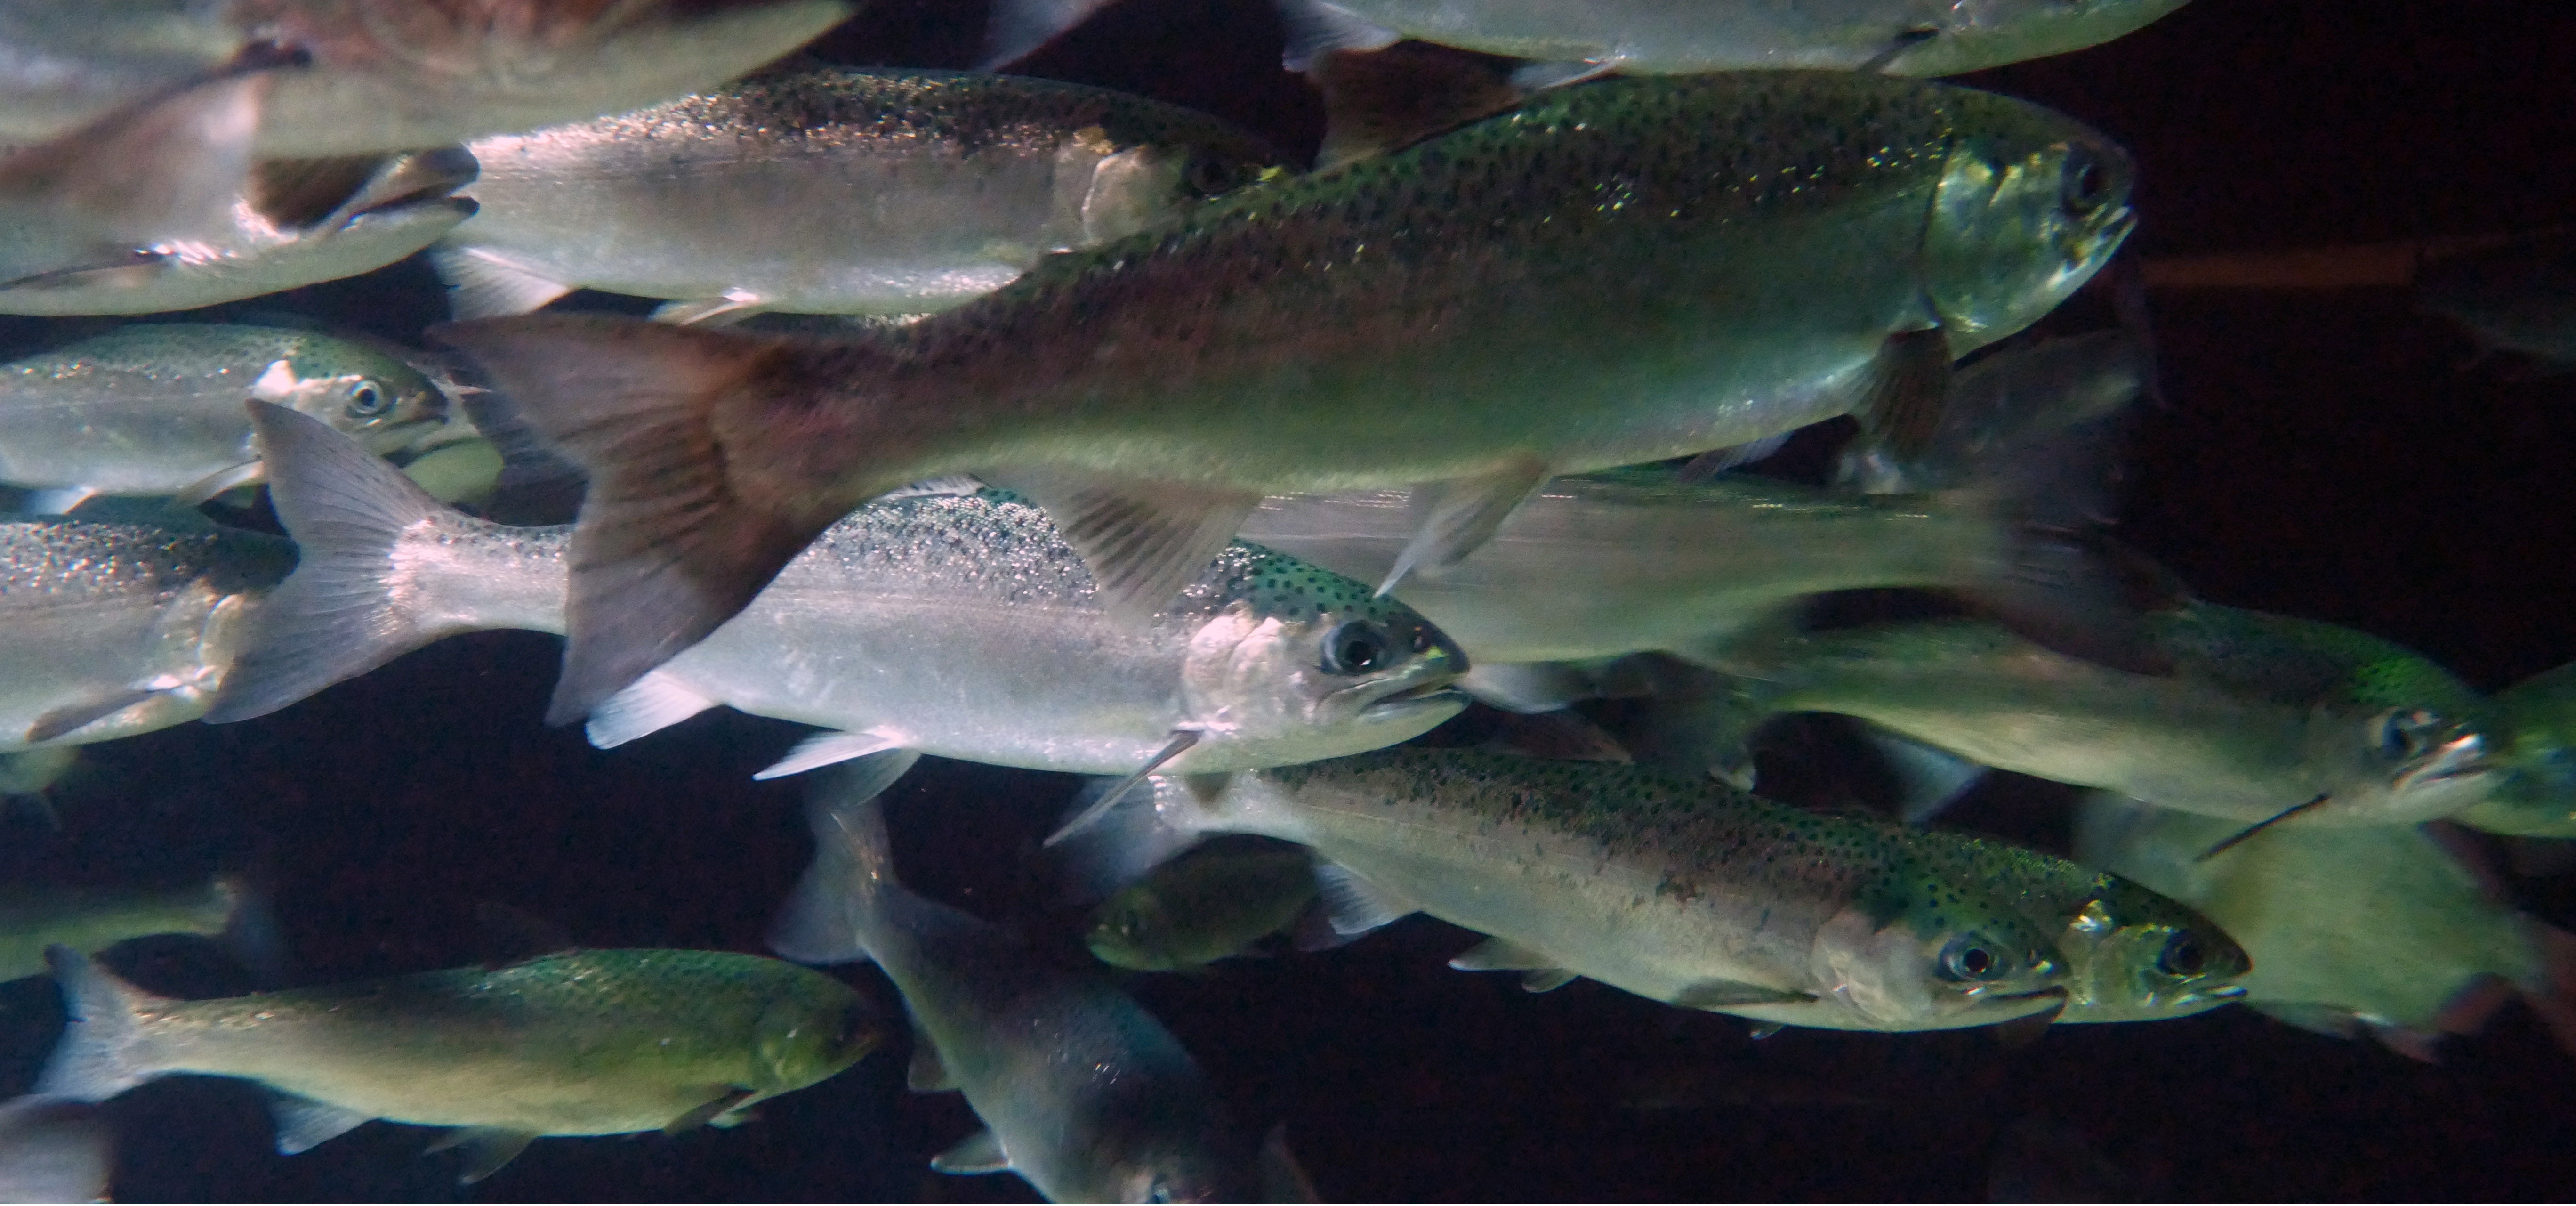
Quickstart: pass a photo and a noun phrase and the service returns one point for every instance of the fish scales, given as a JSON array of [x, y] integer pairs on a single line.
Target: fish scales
[[1630, 876], [593, 1042]]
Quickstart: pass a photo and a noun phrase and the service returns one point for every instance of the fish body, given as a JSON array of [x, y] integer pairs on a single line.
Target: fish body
[[953, 624], [392, 75], [109, 629], [1209, 904], [1683, 891], [1900, 37], [249, 247], [1603, 564], [2535, 790], [878, 192], [597, 1042], [1613, 273], [2379, 927], [156, 409], [1085, 1095], [2520, 297], [94, 920], [2260, 714]]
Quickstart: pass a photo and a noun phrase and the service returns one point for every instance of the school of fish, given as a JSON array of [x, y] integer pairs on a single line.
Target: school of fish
[[1372, 537]]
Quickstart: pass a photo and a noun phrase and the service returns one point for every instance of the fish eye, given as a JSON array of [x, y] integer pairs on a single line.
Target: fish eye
[[1209, 176], [2083, 186], [368, 400], [1355, 647], [2401, 734], [2183, 956], [1974, 957]]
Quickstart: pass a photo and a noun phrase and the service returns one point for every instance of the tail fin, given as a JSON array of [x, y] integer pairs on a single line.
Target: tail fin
[[2552, 995], [104, 1050], [667, 548], [338, 615], [853, 868]]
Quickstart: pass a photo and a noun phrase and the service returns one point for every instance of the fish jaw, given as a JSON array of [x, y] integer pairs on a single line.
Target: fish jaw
[[2020, 221]]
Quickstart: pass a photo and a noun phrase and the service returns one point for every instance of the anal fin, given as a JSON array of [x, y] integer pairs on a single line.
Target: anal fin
[[708, 1111], [1545, 979], [1386, 100], [303, 1123], [72, 717]]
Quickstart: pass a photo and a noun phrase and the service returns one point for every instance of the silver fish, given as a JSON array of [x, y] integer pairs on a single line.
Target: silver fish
[[109, 629], [156, 409], [957, 625], [53, 1149], [1083, 1093], [1900, 37], [391, 75], [398, 206], [874, 192], [1610, 274], [1683, 891]]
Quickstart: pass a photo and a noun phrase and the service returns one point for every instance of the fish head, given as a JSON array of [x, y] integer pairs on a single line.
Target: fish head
[[1127, 931], [1917, 950], [2030, 205], [1126, 176], [811, 1032], [2134, 955], [2534, 726], [1971, 35], [1169, 1159], [2397, 764], [1293, 663], [371, 397]]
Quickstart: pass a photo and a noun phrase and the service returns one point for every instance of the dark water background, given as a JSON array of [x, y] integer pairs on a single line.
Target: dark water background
[[2318, 454]]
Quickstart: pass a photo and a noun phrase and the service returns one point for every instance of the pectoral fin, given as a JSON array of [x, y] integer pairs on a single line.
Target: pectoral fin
[[1143, 540], [926, 1074], [196, 493], [1901, 393], [978, 1153], [707, 1112], [653, 703], [61, 500], [72, 717], [826, 748], [711, 311], [1455, 517], [486, 1149], [1726, 994]]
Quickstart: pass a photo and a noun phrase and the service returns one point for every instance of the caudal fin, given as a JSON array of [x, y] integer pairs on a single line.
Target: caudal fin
[[339, 614], [667, 548], [104, 1050], [824, 921]]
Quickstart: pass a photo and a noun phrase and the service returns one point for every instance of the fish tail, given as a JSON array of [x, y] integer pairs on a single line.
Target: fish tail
[[104, 1049], [676, 533], [2552, 994], [828, 917], [1125, 840], [338, 615]]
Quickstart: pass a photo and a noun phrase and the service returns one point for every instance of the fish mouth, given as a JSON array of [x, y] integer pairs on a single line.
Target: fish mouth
[[2460, 758], [1416, 699]]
